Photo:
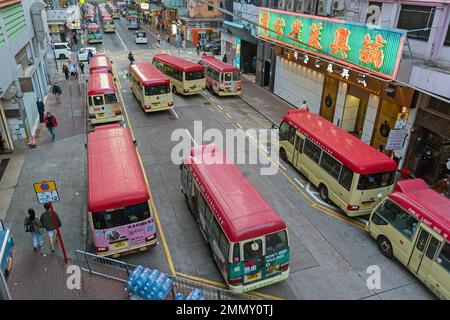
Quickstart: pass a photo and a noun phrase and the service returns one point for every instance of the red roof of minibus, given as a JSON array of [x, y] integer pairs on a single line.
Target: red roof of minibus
[[416, 197], [148, 74], [100, 83], [243, 213], [351, 151], [107, 17], [115, 177], [92, 26], [178, 63], [100, 61], [218, 65]]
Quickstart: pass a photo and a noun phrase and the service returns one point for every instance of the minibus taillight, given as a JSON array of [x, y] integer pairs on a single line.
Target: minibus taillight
[[92, 116], [117, 112], [101, 249], [147, 107], [352, 207], [238, 88], [284, 266], [170, 103], [185, 90], [234, 281]]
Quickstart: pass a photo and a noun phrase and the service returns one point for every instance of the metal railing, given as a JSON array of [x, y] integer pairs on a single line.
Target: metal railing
[[120, 271]]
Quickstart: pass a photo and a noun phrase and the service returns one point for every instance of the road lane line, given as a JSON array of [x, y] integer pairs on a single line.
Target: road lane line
[[120, 38], [152, 202], [298, 181], [228, 115], [175, 114], [219, 107], [282, 166], [239, 125], [191, 137]]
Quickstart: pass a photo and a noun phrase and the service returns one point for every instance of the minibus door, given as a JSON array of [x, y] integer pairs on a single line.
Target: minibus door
[[423, 253], [297, 151]]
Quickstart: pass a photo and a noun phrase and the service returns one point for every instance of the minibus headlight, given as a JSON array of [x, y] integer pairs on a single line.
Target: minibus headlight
[[147, 239]]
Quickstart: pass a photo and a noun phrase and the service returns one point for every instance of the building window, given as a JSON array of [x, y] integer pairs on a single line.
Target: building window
[[416, 18], [210, 7], [447, 37], [439, 106]]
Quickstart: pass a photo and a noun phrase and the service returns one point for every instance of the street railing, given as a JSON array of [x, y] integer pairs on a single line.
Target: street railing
[[120, 271]]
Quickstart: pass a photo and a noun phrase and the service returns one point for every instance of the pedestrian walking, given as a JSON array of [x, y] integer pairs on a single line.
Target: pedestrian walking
[[89, 56], [32, 225], [168, 38], [75, 40], [158, 38], [40, 107], [56, 90], [66, 71], [81, 65], [131, 57], [304, 106], [424, 163], [225, 59], [73, 71], [49, 225], [51, 124], [198, 48]]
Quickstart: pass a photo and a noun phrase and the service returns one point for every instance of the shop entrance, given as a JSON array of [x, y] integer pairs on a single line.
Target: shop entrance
[[385, 122], [248, 57], [267, 67], [355, 110]]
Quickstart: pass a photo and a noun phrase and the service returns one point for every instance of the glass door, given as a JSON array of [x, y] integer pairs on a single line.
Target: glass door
[[423, 254]]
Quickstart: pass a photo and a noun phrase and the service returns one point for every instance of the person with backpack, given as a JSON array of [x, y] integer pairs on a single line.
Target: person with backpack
[[33, 225], [56, 90], [49, 225]]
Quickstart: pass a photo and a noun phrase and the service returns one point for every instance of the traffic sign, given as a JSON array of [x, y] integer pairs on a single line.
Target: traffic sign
[[46, 191]]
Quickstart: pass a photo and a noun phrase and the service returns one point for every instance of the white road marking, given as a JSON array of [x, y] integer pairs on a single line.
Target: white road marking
[[228, 115], [251, 137], [263, 148], [174, 113], [220, 107], [298, 181], [191, 137], [316, 197], [239, 125], [284, 168], [123, 43]]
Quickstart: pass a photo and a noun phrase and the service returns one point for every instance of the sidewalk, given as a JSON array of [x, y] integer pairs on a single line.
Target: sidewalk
[[44, 277], [264, 101], [62, 161]]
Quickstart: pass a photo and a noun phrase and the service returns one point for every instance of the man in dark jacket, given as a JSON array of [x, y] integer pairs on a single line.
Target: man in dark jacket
[[40, 106], [56, 90], [49, 225]]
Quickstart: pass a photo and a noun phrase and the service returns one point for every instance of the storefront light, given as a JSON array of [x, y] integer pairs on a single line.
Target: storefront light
[[330, 68], [318, 63], [306, 59]]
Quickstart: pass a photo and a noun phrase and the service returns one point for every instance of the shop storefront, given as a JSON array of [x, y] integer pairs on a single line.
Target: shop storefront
[[6, 142], [201, 30], [345, 72], [431, 132]]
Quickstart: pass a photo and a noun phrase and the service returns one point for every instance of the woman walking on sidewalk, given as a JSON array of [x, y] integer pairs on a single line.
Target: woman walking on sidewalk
[[49, 225], [51, 124], [33, 225]]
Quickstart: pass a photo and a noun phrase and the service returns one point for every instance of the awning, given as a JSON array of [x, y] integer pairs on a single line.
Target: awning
[[240, 31]]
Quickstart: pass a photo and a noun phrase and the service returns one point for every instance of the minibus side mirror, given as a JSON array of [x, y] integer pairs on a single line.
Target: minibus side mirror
[[274, 126], [85, 145]]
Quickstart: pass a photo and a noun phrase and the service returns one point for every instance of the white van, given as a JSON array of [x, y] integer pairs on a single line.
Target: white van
[[62, 50], [140, 37]]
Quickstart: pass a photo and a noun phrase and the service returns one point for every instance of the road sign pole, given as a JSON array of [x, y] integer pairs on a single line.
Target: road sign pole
[[55, 221]]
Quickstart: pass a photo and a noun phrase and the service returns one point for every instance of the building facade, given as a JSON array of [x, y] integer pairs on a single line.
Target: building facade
[[25, 77], [368, 104]]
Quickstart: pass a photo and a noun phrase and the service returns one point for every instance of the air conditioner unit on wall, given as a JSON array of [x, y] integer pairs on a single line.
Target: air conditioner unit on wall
[[300, 6], [338, 5], [290, 5], [324, 8], [282, 4]]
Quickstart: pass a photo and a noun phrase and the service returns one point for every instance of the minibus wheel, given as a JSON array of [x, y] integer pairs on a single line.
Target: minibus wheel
[[385, 246], [283, 154], [323, 193]]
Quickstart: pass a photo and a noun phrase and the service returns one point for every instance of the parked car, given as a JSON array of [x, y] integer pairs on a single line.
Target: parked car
[[140, 37], [83, 53], [62, 50], [213, 46]]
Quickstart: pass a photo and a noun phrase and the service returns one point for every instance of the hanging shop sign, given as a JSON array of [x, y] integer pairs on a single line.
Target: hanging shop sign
[[365, 47]]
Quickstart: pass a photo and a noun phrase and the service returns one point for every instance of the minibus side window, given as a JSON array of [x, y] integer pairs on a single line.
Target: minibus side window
[[432, 248], [236, 253], [398, 218], [292, 135], [312, 151], [444, 257], [284, 130], [346, 177], [252, 249]]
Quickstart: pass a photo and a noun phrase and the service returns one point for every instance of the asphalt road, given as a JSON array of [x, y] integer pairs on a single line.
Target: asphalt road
[[330, 253]]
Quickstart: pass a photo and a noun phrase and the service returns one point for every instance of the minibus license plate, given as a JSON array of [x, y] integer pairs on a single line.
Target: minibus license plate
[[120, 244], [100, 115], [254, 276]]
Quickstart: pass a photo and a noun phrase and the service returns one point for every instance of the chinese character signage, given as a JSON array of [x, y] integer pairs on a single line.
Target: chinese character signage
[[368, 47]]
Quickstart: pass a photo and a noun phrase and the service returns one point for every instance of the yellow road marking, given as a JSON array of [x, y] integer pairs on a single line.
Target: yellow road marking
[[220, 284], [152, 202], [314, 204]]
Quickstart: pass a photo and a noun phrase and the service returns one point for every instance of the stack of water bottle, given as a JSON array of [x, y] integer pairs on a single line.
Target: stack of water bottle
[[148, 284]]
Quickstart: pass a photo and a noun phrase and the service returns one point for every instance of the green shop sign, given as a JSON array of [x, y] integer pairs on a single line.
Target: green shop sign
[[367, 47]]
